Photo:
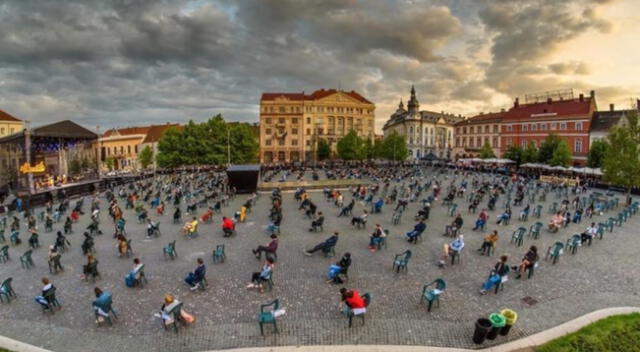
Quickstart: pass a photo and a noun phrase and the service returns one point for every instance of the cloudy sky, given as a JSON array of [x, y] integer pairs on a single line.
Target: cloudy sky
[[133, 62]]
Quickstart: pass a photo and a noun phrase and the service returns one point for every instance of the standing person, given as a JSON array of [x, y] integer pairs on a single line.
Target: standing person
[[328, 243]]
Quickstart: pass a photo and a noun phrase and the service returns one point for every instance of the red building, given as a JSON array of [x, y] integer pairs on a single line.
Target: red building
[[552, 112]]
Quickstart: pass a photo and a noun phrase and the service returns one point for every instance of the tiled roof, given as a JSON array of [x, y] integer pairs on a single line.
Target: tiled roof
[[560, 108], [126, 131], [318, 94], [482, 118], [155, 132], [6, 117], [603, 120]]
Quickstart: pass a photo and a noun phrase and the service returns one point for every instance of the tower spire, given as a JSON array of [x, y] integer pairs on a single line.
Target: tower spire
[[413, 104]]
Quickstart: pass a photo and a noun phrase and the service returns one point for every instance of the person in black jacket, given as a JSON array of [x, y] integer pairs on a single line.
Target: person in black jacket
[[500, 270], [344, 264], [325, 246]]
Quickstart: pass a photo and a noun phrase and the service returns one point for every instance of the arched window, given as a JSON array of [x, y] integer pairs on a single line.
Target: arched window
[[411, 129]]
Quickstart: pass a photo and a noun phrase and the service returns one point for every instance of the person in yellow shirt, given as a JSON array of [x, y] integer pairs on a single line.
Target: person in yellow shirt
[[190, 227]]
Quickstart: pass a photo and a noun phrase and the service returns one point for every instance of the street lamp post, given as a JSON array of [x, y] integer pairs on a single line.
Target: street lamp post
[[228, 146]]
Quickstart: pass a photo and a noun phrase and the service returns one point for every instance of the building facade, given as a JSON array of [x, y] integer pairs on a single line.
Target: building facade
[[121, 146], [292, 124], [426, 132], [9, 124], [603, 121], [550, 113], [472, 133]]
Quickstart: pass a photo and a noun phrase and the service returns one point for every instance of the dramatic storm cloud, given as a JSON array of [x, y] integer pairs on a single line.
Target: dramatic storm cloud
[[125, 62]]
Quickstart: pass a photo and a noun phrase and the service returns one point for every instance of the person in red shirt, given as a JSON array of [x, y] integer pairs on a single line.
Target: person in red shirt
[[353, 301], [228, 226]]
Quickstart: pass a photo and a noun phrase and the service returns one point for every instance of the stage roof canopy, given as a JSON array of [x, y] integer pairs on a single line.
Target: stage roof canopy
[[62, 129]]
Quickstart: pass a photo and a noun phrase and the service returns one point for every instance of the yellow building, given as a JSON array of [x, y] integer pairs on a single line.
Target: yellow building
[[9, 124], [291, 124], [122, 145]]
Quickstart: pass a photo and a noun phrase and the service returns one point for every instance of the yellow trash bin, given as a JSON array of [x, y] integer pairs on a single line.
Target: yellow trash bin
[[511, 317]]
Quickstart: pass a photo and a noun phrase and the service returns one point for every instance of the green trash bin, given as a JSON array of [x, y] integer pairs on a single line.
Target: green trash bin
[[498, 321], [511, 317]]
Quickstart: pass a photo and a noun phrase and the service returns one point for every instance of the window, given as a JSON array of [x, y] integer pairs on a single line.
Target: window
[[135, 148], [543, 126], [579, 126], [320, 130], [121, 149], [308, 131], [294, 142], [525, 128], [495, 142], [457, 130], [13, 130], [478, 142], [281, 120], [271, 109], [472, 130], [308, 120], [267, 142], [486, 128], [534, 127], [268, 120], [495, 128], [320, 108], [411, 129], [563, 126], [281, 142], [457, 142], [281, 109], [509, 128], [294, 120], [578, 146], [508, 141], [464, 130], [128, 149], [294, 131], [553, 126], [411, 140], [523, 144], [308, 143], [471, 142], [267, 131], [2, 130]]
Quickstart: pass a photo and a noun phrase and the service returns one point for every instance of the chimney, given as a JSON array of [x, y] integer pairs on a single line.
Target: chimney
[[581, 97], [611, 107], [592, 94], [502, 110], [549, 100], [516, 103]]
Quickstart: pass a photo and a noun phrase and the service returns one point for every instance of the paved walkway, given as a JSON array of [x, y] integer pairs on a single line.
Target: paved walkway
[[597, 277]]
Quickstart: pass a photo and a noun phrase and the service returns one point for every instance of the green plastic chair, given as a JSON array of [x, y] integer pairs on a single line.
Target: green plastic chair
[[329, 251], [452, 209], [107, 308], [401, 261], [177, 318], [54, 265], [433, 295], [218, 254], [14, 238], [534, 230], [7, 291], [267, 315], [573, 243], [170, 250], [600, 233], [554, 252], [142, 278], [4, 254], [2, 238], [25, 260], [367, 300], [518, 236], [50, 296], [553, 208]]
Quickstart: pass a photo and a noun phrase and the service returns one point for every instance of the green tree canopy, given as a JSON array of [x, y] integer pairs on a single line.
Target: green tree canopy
[[621, 164], [547, 147], [561, 155], [323, 149], [145, 157], [514, 153], [351, 147], [207, 143], [530, 153], [368, 149], [486, 152], [597, 152], [394, 147]]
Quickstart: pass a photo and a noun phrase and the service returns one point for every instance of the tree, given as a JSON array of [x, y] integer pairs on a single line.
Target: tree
[[621, 164], [368, 149], [547, 147], [145, 157], [351, 147], [561, 155], [530, 153], [394, 147], [514, 153], [486, 152], [597, 152], [110, 162], [323, 149]]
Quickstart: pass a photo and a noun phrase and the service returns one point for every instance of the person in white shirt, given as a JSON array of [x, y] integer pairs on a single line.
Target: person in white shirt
[[590, 233]]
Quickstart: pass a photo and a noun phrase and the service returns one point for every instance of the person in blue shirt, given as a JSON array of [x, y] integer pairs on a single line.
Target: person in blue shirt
[[102, 304], [330, 242], [377, 206], [412, 236], [452, 248], [194, 278]]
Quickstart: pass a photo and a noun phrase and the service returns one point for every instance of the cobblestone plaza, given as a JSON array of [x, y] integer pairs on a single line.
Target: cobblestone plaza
[[598, 276]]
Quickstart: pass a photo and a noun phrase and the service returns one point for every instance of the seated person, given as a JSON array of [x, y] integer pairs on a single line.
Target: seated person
[[360, 220], [259, 278], [577, 216], [54, 258], [160, 209], [91, 268], [271, 247], [190, 226], [33, 240], [456, 225], [228, 226], [377, 206], [48, 286], [504, 217], [418, 229], [482, 219], [169, 304], [452, 248], [524, 213], [101, 304], [142, 215], [123, 246], [500, 270], [347, 210], [557, 220], [528, 261], [87, 243], [207, 215], [177, 215], [152, 228], [489, 242], [424, 212], [589, 233], [324, 246], [317, 222], [375, 237], [352, 302], [194, 278], [61, 242], [340, 268], [133, 276]]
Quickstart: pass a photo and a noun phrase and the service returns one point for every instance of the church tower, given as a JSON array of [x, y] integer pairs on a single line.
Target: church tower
[[413, 104]]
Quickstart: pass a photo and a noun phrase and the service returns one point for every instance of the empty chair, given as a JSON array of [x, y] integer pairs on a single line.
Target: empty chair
[[218, 254], [554, 252], [170, 250], [401, 261], [267, 315], [518, 236], [7, 291], [431, 292], [573, 243], [25, 260]]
